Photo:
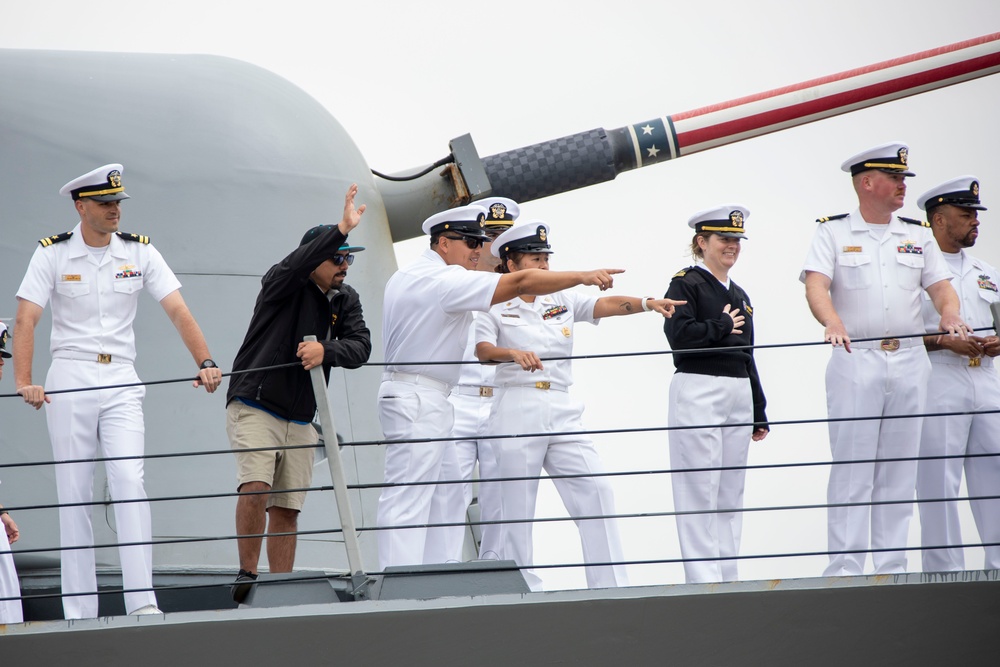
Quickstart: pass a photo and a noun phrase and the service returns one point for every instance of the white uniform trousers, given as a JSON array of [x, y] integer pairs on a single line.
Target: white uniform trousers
[[472, 416], [530, 410], [85, 425], [957, 387], [709, 399], [409, 410], [873, 383], [10, 610]]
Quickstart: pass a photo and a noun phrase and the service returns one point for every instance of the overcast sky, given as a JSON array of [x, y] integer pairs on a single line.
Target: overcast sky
[[404, 78]]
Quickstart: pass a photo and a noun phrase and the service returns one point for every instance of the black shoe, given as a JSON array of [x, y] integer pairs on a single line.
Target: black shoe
[[241, 587]]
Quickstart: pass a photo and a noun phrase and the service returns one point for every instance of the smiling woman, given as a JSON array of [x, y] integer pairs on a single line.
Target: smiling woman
[[720, 388]]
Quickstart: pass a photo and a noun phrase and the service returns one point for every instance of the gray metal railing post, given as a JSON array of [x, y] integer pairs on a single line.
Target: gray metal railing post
[[358, 578]]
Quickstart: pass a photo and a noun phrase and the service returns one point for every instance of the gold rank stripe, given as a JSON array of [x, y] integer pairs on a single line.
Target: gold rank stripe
[[883, 165], [97, 193], [722, 229]]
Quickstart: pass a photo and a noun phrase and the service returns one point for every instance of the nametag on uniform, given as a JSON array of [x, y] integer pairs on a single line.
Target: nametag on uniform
[[128, 271], [908, 248], [71, 277], [509, 315], [554, 311], [852, 248], [986, 283]]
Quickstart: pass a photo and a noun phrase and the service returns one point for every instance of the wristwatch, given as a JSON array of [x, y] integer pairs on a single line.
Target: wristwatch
[[208, 363]]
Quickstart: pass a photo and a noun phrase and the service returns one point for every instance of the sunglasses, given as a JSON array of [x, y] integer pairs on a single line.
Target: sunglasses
[[340, 259], [469, 241]]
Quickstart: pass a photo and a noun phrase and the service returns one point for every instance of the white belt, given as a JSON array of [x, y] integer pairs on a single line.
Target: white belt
[[473, 390], [952, 359], [95, 357], [543, 385], [414, 378], [889, 344]]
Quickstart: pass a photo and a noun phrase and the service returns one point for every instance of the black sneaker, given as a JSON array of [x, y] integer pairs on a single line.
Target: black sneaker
[[241, 587]]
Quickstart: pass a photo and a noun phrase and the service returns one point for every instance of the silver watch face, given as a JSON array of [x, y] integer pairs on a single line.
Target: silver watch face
[[208, 363]]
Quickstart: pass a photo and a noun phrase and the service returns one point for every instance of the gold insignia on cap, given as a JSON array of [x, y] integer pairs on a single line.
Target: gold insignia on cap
[[903, 154], [498, 211], [736, 218], [481, 219], [115, 178], [974, 188], [541, 233]]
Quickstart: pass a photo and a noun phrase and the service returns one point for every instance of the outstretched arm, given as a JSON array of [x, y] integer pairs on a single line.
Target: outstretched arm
[[610, 306], [28, 314], [821, 305], [538, 281]]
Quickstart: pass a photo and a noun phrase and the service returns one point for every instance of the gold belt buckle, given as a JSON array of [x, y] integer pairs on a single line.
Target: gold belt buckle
[[890, 344], [975, 362], [543, 385], [104, 358], [486, 392]]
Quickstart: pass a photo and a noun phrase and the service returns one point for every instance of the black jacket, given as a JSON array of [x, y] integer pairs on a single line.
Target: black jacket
[[702, 324], [289, 307]]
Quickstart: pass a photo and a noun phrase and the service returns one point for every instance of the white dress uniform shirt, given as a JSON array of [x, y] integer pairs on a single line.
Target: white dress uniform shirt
[[426, 317], [876, 282], [546, 328], [428, 311], [94, 304], [877, 277], [960, 384]]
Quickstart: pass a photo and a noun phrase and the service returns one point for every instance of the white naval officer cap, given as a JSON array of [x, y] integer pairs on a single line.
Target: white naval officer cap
[[529, 236], [4, 337], [962, 191], [891, 158], [726, 220], [468, 220], [101, 184], [500, 213]]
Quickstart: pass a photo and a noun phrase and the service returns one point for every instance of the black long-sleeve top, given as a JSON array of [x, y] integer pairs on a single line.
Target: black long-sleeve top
[[289, 307], [702, 324]]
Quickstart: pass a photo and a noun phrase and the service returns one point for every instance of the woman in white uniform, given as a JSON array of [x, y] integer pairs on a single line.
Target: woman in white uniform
[[715, 388], [532, 398]]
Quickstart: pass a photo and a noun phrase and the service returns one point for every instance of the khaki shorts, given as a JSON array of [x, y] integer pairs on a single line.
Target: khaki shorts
[[249, 428]]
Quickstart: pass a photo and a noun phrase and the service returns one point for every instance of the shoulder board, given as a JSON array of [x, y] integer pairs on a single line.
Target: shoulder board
[[691, 275], [832, 217], [125, 236], [911, 221], [58, 238]]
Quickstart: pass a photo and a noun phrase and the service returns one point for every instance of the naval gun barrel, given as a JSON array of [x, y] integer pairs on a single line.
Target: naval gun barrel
[[599, 155]]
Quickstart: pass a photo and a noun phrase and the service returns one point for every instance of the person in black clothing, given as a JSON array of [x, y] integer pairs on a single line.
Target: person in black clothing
[[714, 388], [302, 295]]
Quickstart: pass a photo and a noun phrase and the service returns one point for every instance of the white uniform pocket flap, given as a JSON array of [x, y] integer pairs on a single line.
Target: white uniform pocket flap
[[851, 259], [73, 288]]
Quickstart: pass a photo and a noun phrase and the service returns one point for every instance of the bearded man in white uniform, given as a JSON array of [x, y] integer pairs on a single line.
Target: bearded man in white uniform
[[425, 328], [865, 275], [472, 401], [964, 379], [93, 276]]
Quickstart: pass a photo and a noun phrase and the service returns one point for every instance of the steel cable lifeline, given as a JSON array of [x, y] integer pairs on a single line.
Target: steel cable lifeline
[[549, 519]]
